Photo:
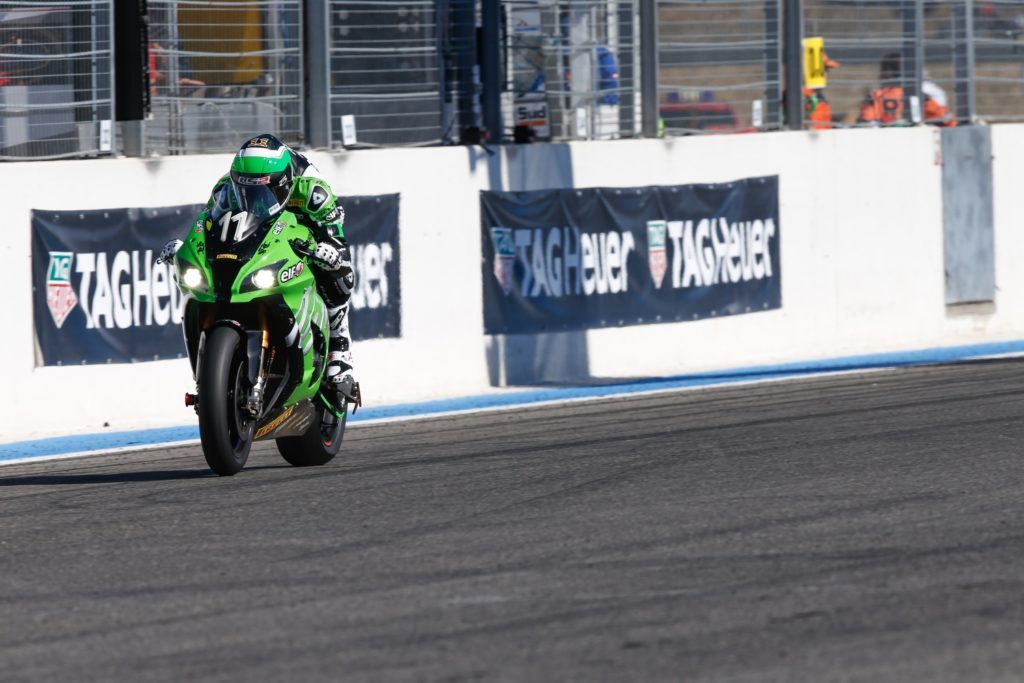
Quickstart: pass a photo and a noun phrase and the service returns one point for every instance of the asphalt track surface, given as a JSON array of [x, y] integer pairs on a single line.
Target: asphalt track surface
[[862, 527]]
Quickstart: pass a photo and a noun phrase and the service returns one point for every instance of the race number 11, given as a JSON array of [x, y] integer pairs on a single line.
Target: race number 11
[[238, 219]]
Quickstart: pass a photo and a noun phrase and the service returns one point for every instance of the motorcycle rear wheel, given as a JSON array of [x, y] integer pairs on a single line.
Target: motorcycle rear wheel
[[319, 444], [225, 427]]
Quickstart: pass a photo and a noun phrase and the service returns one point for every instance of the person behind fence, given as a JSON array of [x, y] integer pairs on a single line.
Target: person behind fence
[[884, 104], [267, 173], [817, 110], [936, 108]]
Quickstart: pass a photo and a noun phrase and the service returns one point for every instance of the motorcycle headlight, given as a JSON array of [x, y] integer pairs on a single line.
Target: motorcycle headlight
[[264, 278], [192, 278]]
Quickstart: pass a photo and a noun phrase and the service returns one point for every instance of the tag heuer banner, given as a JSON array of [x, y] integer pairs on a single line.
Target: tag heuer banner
[[575, 259], [100, 296]]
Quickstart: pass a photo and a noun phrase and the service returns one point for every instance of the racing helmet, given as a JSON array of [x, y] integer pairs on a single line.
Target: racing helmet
[[261, 176]]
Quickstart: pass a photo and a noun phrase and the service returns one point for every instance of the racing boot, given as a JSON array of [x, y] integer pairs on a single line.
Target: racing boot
[[339, 373]]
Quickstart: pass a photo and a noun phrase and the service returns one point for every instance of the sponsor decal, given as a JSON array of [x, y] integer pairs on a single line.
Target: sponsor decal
[[199, 227], [60, 296], [233, 257], [290, 273], [318, 196], [274, 424], [279, 227], [259, 142], [657, 261], [253, 180], [533, 114], [504, 257], [337, 215]]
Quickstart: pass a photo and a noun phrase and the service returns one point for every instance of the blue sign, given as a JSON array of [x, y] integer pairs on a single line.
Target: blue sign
[[576, 259]]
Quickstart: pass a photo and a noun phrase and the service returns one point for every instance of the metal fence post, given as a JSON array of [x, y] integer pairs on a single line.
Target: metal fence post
[[444, 90], [462, 53], [649, 67], [963, 60], [318, 63], [912, 57], [772, 66], [490, 68], [131, 72], [794, 55]]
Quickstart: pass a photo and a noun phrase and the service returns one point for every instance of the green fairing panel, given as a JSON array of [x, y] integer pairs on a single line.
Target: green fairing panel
[[192, 254]]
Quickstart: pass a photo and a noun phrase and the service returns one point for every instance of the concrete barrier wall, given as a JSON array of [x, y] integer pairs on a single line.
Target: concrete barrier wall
[[862, 270]]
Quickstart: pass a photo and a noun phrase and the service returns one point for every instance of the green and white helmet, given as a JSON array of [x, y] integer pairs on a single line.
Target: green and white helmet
[[261, 176]]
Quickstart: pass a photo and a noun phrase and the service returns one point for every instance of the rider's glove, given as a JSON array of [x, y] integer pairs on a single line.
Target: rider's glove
[[168, 252], [331, 255]]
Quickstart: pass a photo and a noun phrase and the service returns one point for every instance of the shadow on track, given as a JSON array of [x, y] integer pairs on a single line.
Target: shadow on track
[[122, 477], [105, 478]]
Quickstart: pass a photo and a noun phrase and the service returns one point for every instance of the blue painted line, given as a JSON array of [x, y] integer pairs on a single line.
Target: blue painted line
[[148, 437]]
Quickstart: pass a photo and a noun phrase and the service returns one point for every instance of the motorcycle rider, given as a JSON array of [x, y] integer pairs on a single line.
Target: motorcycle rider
[[268, 176]]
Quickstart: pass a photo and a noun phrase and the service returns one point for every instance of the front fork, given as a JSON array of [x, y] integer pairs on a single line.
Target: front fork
[[259, 356], [257, 345]]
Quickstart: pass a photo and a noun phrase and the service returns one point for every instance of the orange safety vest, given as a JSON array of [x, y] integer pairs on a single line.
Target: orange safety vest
[[884, 105], [817, 110]]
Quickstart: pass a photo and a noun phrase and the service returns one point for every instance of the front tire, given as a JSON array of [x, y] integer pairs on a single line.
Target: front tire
[[225, 427], [319, 444]]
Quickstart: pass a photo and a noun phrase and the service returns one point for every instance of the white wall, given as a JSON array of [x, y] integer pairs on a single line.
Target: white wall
[[861, 240]]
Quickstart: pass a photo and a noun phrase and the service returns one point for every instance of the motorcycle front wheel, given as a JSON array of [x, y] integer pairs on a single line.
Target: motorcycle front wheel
[[225, 427]]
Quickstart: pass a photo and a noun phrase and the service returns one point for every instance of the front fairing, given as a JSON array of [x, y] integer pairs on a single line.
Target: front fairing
[[229, 253]]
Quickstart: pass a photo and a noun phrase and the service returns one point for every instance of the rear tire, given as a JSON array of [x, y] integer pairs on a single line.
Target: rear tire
[[225, 428], [319, 444]]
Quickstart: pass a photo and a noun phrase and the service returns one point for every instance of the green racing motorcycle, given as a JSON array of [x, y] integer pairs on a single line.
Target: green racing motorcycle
[[257, 332]]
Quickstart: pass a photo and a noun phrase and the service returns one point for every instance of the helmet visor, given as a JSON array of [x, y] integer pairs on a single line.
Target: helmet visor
[[262, 196]]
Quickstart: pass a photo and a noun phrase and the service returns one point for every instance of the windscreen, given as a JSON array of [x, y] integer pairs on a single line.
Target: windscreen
[[232, 222]]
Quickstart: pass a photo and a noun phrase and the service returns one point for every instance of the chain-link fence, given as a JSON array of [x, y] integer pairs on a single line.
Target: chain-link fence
[[970, 52], [56, 93], [570, 70], [998, 75], [221, 71], [888, 63], [720, 65], [412, 72], [386, 72], [943, 34]]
